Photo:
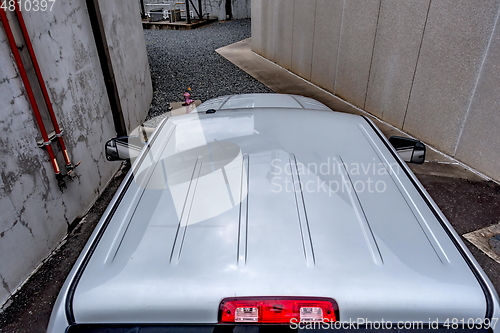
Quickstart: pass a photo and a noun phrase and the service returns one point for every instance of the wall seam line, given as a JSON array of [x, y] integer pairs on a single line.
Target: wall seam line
[[338, 49], [276, 28], [293, 24], [314, 30], [480, 71], [416, 64], [373, 52]]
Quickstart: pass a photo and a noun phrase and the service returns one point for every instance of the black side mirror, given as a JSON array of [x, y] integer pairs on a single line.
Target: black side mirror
[[410, 150], [123, 148]]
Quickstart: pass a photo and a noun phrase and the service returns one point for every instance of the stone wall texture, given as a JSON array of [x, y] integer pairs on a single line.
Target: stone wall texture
[[35, 214]]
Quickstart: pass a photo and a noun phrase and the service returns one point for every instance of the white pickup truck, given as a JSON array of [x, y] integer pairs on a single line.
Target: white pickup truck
[[268, 212]]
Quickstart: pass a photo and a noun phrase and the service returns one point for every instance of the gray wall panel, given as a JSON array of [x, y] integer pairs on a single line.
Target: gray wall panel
[[268, 32], [356, 46], [399, 34], [131, 69], [284, 33], [415, 64], [453, 48], [480, 139], [303, 36], [257, 26], [326, 42]]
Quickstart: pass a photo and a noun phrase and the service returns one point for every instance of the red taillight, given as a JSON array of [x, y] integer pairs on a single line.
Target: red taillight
[[277, 310]]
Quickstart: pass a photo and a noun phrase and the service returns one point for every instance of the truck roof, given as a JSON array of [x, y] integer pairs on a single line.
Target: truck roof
[[273, 195]]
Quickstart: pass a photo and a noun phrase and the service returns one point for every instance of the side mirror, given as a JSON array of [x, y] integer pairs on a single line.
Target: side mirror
[[123, 148], [410, 150]]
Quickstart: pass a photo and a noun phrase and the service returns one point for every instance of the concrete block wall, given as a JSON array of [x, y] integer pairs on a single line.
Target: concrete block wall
[[35, 215], [429, 67]]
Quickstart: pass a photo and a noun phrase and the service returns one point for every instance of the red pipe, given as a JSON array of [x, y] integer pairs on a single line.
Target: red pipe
[[42, 83], [29, 91]]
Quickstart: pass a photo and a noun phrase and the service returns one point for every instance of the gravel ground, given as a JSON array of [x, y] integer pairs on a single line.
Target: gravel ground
[[179, 59]]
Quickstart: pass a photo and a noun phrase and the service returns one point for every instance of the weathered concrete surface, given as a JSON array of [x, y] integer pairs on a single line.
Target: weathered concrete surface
[[453, 48], [303, 37], [241, 9], [327, 26], [35, 214], [399, 36], [216, 8], [130, 60], [30, 308], [479, 139], [356, 48]]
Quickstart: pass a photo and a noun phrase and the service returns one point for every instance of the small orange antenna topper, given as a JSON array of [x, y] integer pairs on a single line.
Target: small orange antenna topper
[[187, 97]]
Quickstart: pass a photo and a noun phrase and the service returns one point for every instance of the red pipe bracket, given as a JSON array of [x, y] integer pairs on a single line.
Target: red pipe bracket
[[31, 96]]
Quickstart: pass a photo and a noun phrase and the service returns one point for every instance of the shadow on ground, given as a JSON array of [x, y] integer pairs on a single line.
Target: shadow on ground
[[468, 205]]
